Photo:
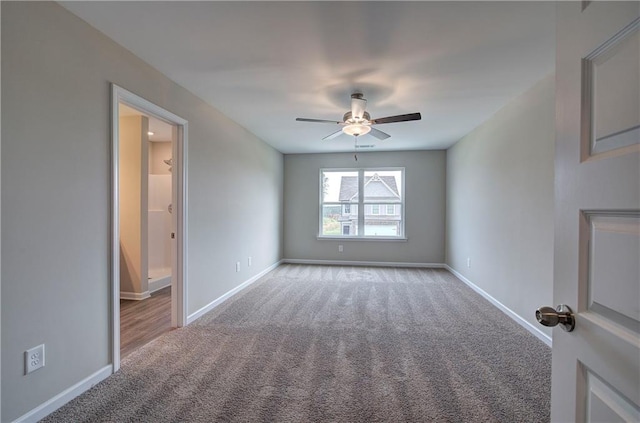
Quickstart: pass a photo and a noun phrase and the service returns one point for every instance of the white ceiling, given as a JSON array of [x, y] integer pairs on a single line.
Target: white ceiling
[[265, 63]]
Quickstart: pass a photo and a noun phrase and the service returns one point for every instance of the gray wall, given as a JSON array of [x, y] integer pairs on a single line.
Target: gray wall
[[500, 202], [0, 221], [425, 208], [56, 72]]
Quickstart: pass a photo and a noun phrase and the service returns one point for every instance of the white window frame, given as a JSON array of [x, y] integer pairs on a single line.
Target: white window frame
[[361, 205]]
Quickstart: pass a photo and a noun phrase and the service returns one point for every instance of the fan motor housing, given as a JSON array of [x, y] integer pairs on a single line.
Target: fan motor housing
[[347, 117]]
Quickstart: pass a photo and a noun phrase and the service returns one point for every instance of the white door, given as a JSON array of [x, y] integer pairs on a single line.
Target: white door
[[596, 367]]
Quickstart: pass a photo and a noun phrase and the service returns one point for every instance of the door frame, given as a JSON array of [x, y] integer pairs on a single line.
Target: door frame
[[179, 186]]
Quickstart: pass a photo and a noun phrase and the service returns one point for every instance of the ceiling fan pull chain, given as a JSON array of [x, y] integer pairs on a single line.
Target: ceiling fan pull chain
[[355, 148]]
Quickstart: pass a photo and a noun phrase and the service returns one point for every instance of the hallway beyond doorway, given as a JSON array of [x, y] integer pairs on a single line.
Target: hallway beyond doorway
[[143, 321]]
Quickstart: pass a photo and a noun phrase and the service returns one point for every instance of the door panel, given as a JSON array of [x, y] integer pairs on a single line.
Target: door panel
[[612, 279], [613, 76], [596, 368], [604, 404]]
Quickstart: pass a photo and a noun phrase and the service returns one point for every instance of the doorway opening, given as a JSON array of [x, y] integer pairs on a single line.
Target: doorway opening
[[148, 222]]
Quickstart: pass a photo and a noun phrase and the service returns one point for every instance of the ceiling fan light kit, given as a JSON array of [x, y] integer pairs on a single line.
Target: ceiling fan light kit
[[358, 122], [356, 129]]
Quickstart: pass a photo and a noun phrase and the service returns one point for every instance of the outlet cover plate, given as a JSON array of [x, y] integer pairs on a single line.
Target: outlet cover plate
[[33, 359]]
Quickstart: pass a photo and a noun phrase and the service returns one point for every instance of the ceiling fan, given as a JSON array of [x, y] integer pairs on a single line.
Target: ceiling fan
[[358, 122]]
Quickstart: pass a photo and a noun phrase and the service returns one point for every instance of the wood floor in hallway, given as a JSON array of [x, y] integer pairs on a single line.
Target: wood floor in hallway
[[143, 321]]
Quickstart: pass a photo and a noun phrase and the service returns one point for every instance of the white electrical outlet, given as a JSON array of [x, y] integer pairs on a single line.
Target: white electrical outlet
[[249, 262], [340, 248], [33, 359], [468, 262], [237, 266]]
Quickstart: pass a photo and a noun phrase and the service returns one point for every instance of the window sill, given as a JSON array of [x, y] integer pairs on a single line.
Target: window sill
[[361, 238]]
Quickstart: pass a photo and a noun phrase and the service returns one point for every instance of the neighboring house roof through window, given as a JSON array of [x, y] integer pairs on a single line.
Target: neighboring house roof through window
[[377, 188]]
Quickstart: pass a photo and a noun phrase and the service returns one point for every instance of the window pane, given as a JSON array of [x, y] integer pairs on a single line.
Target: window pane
[[339, 187], [350, 211], [379, 206], [330, 222], [382, 186], [388, 224], [336, 222]]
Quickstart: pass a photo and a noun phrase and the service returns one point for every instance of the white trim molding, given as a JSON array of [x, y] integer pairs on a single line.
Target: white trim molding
[[135, 296], [179, 182], [362, 239], [506, 310], [213, 304], [65, 396], [364, 263]]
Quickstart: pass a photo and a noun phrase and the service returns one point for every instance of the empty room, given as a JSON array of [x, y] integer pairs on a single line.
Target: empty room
[[317, 211]]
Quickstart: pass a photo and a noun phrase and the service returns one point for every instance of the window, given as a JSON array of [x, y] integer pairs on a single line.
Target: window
[[362, 203]]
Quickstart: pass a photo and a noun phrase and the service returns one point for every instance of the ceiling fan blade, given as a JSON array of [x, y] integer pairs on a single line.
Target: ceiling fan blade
[[398, 118], [332, 136], [318, 121], [379, 134], [357, 107]]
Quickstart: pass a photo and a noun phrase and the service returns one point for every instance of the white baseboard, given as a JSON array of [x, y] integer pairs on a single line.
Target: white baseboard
[[213, 304], [65, 396], [506, 310], [364, 263], [158, 284], [137, 296]]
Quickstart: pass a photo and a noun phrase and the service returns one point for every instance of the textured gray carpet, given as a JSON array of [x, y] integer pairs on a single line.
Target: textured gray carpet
[[334, 344]]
